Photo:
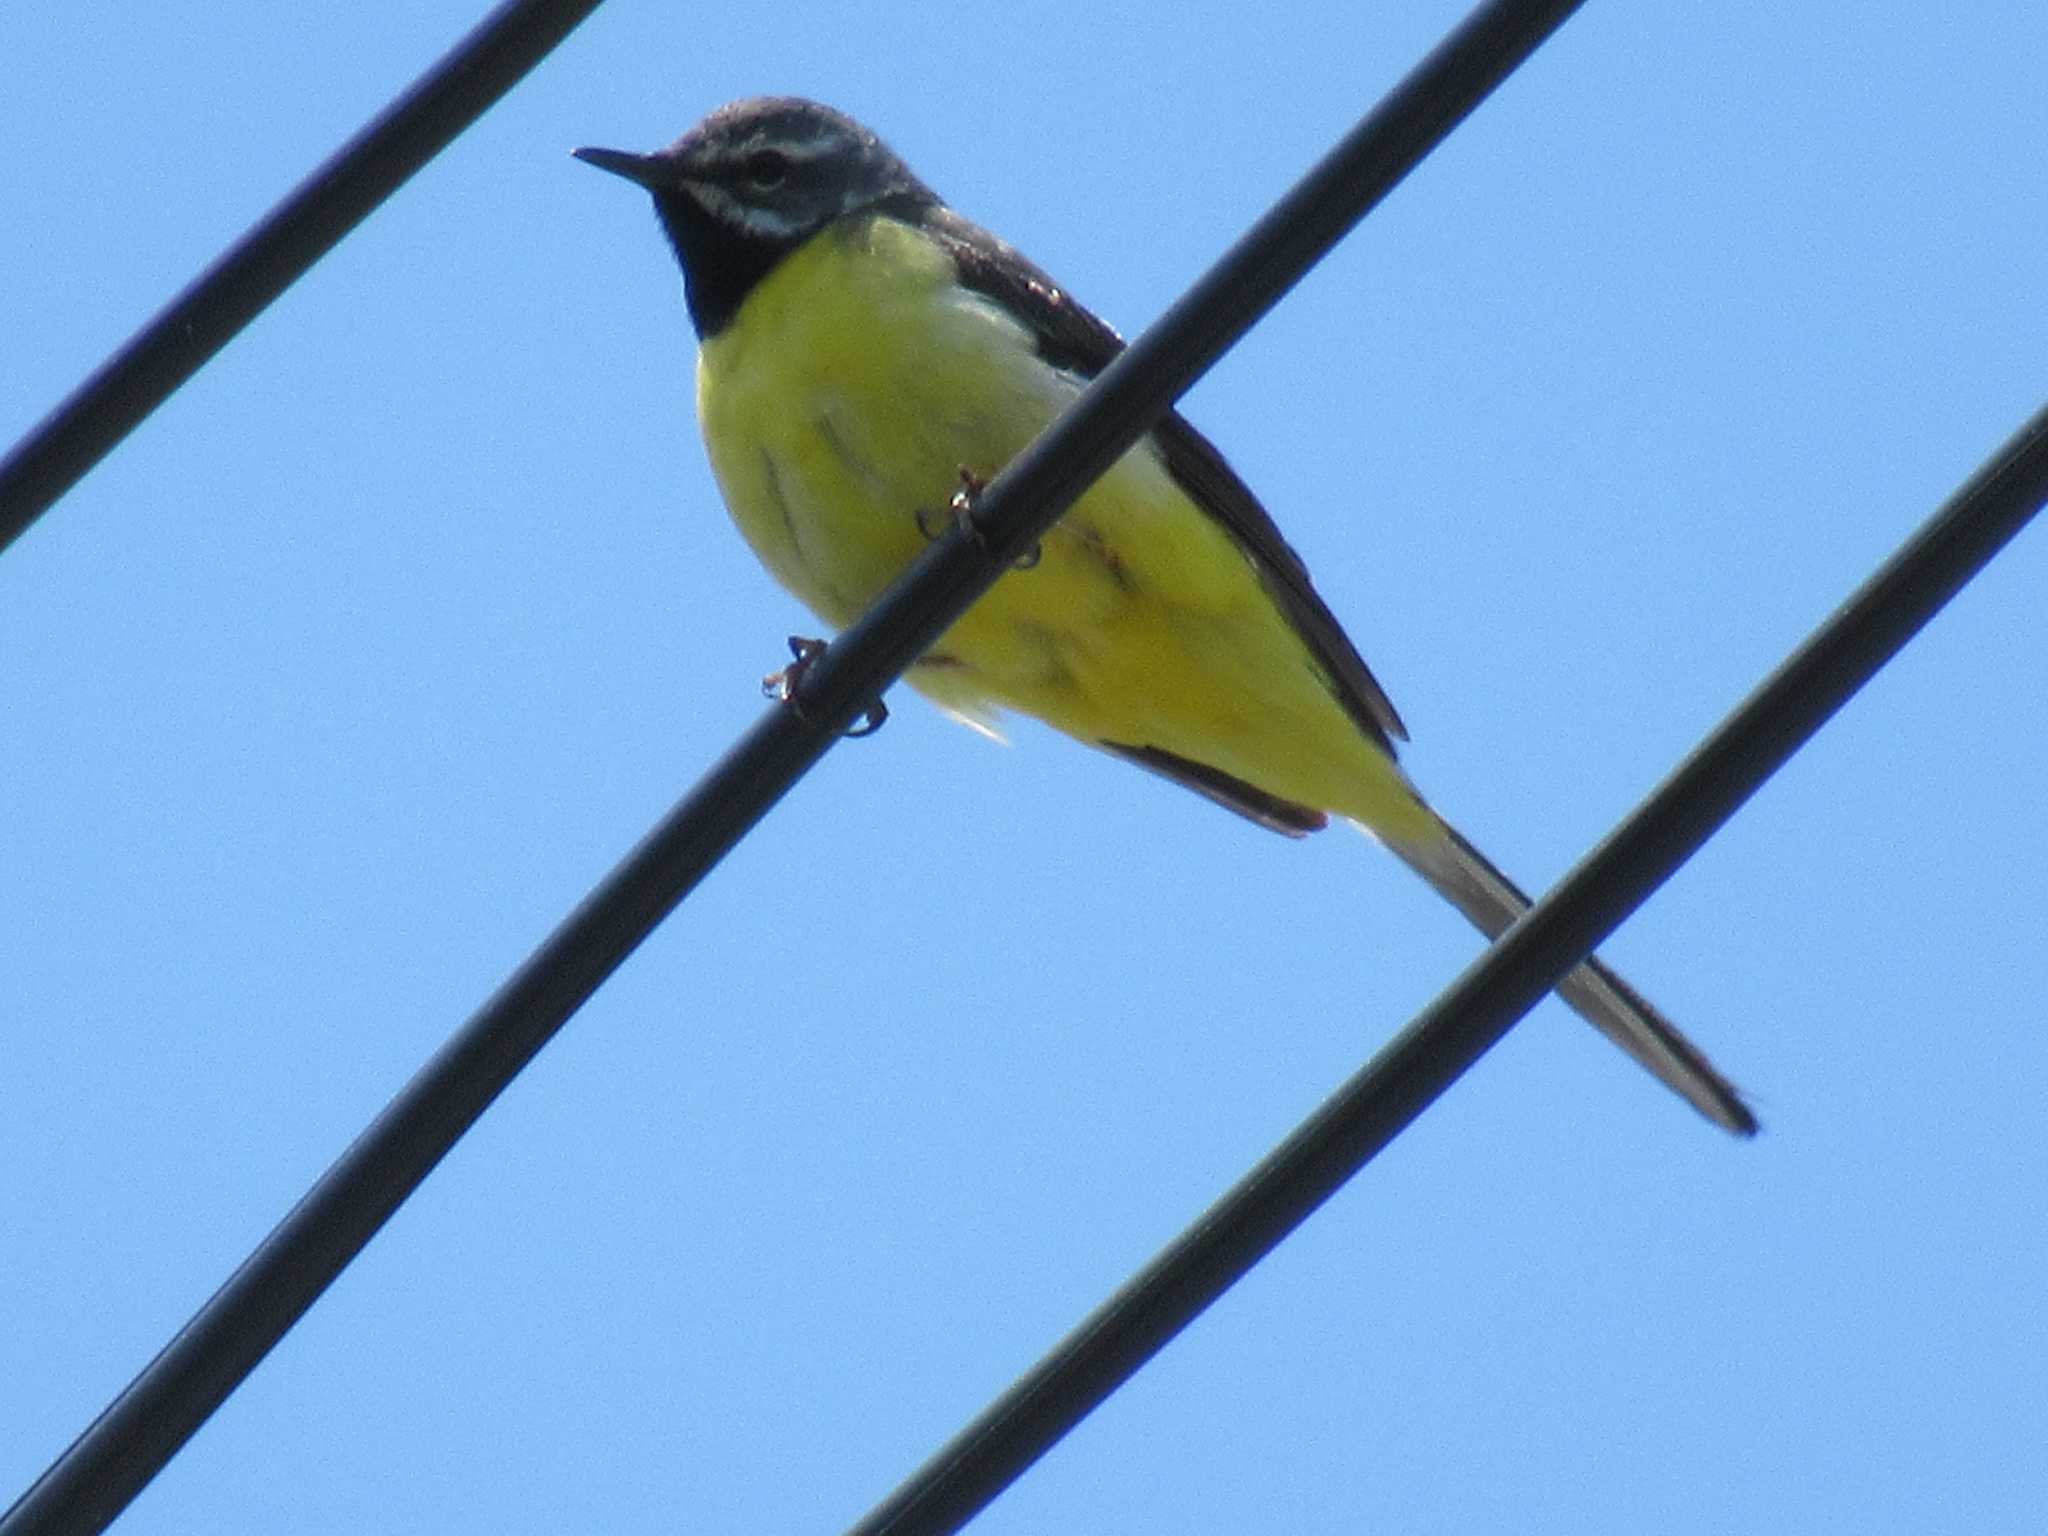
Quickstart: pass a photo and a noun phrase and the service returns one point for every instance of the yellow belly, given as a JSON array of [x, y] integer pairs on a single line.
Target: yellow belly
[[855, 384]]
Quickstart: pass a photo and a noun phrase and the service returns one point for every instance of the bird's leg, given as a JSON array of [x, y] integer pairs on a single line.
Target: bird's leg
[[962, 508], [971, 487], [782, 686]]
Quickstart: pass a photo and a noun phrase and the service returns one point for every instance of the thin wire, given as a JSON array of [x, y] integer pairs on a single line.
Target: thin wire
[[1471, 1015], [166, 1403], [275, 252]]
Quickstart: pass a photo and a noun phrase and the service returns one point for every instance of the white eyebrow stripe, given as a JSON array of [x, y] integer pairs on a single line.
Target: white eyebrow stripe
[[727, 209], [823, 142]]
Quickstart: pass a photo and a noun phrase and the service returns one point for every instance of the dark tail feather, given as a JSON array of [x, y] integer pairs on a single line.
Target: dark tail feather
[[1471, 882]]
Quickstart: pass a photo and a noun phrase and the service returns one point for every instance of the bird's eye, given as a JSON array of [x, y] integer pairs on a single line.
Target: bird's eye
[[767, 169]]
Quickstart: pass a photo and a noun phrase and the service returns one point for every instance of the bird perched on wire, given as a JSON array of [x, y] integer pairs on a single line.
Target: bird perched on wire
[[863, 349]]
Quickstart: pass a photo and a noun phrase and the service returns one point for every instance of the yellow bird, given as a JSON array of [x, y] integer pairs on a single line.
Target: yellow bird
[[862, 346]]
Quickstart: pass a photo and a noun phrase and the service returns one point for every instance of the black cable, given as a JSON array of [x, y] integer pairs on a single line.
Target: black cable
[[165, 1404], [275, 253], [1471, 1015]]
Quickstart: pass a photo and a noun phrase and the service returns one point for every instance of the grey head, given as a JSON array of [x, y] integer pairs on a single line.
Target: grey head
[[755, 180]]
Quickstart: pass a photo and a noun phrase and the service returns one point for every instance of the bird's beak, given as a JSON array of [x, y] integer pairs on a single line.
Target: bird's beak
[[650, 171]]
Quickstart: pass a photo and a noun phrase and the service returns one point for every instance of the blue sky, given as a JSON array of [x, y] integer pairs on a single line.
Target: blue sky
[[343, 678]]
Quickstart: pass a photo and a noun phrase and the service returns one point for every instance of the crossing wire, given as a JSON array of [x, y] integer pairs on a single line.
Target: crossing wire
[[275, 253], [1471, 1015], [136, 1435], [146, 1424]]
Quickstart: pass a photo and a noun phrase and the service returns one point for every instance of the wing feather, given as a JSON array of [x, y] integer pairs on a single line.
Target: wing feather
[[1073, 339]]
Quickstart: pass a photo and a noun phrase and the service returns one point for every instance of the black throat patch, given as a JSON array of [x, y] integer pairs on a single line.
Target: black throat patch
[[720, 264]]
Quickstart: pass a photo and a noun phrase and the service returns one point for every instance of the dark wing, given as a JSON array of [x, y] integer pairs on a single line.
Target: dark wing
[[1072, 339], [1227, 790]]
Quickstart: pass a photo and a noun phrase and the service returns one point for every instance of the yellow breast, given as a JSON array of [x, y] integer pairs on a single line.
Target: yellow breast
[[854, 385]]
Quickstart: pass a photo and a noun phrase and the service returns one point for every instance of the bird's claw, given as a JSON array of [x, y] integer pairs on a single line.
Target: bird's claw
[[961, 507], [782, 686]]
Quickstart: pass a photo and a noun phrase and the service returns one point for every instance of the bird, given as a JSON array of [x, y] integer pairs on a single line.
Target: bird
[[864, 351]]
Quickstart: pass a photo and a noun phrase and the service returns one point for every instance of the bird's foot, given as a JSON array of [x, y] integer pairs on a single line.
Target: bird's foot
[[782, 686], [961, 506]]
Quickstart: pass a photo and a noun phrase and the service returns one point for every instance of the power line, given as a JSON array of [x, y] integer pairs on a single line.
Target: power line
[[1471, 1015], [275, 253], [147, 1423], [138, 1433]]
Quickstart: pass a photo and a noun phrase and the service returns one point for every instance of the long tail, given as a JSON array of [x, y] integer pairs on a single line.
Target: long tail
[[1469, 880]]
